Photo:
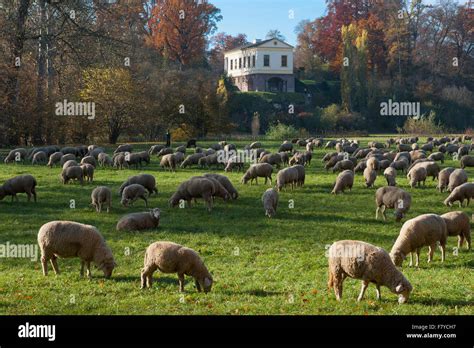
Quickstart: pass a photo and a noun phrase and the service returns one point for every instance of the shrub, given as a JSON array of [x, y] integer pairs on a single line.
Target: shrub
[[423, 125], [281, 131]]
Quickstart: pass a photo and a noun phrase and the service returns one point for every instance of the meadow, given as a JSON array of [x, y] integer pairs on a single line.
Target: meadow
[[260, 265]]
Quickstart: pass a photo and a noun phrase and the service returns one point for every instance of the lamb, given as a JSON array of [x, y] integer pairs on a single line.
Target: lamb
[[70, 163], [370, 176], [170, 257], [88, 171], [457, 223], [193, 188], [392, 197], [224, 182], [104, 160], [344, 180], [168, 162], [467, 161], [139, 221], [272, 159], [124, 148], [371, 264], [89, 160], [437, 156], [146, 180], [73, 172], [39, 157], [417, 175], [192, 160], [443, 178], [343, 165], [19, 184], [270, 202], [424, 230], [390, 175], [287, 176], [461, 193], [71, 239], [131, 193], [65, 158], [99, 196], [262, 170], [457, 178], [54, 158]]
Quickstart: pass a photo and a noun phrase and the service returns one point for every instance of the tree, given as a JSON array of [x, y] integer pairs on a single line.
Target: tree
[[275, 34], [179, 29], [221, 43]]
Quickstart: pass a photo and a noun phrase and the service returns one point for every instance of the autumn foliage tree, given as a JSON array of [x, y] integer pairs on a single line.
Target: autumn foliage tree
[[179, 28]]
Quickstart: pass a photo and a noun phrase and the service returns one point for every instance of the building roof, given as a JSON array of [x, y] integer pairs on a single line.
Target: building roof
[[252, 45]]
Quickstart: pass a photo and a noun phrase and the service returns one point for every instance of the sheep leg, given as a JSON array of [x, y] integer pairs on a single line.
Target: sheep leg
[[54, 263], [417, 257], [181, 282], [411, 260], [443, 251], [88, 270], [365, 284], [383, 213], [109, 206], [28, 194], [377, 213], [338, 288], [198, 286], [431, 250], [82, 268], [146, 202], [44, 264], [271, 181], [99, 207], [377, 290]]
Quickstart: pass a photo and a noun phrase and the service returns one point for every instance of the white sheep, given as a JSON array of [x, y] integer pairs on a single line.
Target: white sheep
[[270, 202], [139, 221]]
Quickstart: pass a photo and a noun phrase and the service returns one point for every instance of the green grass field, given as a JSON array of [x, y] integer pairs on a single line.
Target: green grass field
[[259, 265]]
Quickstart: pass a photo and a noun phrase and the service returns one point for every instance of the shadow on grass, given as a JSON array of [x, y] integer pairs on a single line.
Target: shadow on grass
[[255, 292], [156, 280]]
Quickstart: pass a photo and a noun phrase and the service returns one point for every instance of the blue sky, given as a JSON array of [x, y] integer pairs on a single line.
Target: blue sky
[[256, 17]]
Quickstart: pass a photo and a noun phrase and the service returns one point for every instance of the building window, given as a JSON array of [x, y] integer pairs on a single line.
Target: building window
[[227, 64], [253, 61], [245, 60], [284, 61], [240, 63], [266, 60], [231, 64], [248, 61]]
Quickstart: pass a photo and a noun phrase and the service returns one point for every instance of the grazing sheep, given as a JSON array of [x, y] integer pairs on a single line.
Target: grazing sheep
[[400, 165], [270, 202], [198, 187], [165, 151], [19, 184], [287, 176], [467, 161], [403, 147], [88, 172], [133, 159], [66, 158], [155, 149], [286, 147], [343, 165], [230, 147], [192, 160], [139, 221], [101, 195], [457, 178], [417, 175], [181, 148], [234, 161], [371, 264], [370, 176], [432, 168], [146, 180], [39, 157], [70, 163], [437, 156], [262, 170], [272, 159], [461, 193], [360, 167], [393, 198], [333, 160], [119, 161], [179, 157], [208, 161], [373, 163], [96, 152], [131, 193], [54, 158], [443, 178], [124, 148], [224, 181], [71, 239], [104, 160], [384, 164], [329, 155], [458, 224], [73, 172], [390, 175], [219, 190], [70, 150], [170, 257], [301, 175], [168, 162], [89, 160], [428, 147], [344, 180], [424, 230], [255, 145], [285, 158]]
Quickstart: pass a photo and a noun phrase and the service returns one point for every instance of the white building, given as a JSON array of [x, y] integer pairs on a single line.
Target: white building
[[261, 66]]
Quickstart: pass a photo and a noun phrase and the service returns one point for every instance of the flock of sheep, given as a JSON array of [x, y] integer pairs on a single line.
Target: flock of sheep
[[348, 258]]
